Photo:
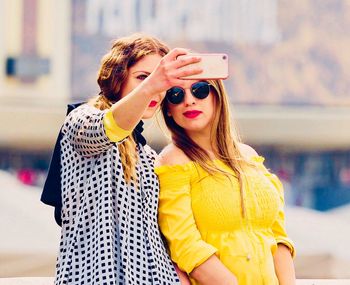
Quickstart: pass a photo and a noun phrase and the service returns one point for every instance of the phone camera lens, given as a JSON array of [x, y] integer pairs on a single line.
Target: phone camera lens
[[224, 57]]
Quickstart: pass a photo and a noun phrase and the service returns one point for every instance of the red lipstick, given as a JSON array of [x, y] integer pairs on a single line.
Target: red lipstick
[[192, 114], [153, 103]]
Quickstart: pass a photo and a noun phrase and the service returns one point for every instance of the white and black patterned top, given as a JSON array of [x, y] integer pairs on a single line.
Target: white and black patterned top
[[110, 233]]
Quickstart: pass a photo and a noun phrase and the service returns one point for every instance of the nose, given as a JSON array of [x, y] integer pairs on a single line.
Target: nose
[[189, 98]]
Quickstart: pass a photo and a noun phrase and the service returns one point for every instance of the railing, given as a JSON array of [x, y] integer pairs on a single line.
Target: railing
[[49, 281]]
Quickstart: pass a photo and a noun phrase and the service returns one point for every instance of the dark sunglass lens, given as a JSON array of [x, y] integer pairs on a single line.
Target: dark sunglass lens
[[201, 90], [175, 95]]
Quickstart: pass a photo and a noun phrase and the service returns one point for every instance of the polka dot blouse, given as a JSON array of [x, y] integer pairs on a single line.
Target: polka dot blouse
[[110, 233]]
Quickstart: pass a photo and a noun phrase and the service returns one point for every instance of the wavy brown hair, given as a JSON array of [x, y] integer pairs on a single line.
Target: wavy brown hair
[[224, 138], [114, 70]]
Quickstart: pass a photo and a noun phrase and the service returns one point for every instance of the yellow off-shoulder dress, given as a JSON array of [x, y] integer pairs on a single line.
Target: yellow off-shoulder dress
[[200, 215]]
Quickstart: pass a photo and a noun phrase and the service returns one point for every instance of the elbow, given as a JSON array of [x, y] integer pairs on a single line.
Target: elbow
[[192, 255]]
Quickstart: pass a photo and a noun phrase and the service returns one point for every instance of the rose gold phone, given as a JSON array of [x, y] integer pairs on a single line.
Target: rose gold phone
[[214, 65]]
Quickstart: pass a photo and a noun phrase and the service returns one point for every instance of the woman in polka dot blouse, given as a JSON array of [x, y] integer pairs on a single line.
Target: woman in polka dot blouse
[[110, 232], [220, 209]]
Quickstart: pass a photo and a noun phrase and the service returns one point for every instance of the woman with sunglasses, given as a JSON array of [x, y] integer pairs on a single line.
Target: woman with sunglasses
[[220, 209], [110, 233]]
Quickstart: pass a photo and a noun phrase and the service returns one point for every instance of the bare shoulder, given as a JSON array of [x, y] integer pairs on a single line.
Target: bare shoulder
[[171, 155], [247, 151]]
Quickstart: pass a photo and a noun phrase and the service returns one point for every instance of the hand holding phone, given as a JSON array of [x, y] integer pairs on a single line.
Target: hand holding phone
[[214, 66]]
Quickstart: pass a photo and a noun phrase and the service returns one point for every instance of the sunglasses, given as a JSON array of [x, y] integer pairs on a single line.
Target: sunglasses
[[200, 90]]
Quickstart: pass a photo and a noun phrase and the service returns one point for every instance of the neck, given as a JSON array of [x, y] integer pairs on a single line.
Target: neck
[[203, 139]]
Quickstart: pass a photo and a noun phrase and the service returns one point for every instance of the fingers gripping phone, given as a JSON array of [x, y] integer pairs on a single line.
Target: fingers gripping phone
[[214, 65]]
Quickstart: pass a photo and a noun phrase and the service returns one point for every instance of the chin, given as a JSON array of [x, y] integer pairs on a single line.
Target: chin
[[193, 128]]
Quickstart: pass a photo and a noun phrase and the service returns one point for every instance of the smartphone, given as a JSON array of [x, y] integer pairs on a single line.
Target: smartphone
[[214, 65]]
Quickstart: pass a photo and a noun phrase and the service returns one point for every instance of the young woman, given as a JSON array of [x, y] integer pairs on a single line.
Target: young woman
[[109, 190], [220, 209]]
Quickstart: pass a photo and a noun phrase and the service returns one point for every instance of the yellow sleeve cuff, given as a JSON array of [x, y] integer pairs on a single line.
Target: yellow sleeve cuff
[[113, 131], [288, 243], [198, 255]]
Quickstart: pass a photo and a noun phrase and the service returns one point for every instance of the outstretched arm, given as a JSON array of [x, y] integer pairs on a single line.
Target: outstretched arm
[[128, 111]]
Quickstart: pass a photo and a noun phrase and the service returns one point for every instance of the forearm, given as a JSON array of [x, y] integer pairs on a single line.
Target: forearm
[[128, 111], [284, 265], [212, 271]]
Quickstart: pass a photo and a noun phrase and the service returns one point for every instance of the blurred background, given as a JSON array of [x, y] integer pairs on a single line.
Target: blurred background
[[289, 89]]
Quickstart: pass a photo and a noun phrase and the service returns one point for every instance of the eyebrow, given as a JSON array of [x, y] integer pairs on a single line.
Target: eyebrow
[[142, 71]]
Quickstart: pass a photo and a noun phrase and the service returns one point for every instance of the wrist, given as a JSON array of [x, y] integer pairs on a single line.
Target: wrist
[[147, 89]]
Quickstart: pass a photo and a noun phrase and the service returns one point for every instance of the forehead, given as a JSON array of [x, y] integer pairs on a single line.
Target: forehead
[[148, 63]]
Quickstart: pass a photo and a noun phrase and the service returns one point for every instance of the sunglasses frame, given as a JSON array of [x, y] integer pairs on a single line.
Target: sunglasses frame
[[193, 93]]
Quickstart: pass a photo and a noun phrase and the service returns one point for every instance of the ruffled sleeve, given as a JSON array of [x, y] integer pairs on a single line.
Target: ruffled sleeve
[[278, 228], [176, 218]]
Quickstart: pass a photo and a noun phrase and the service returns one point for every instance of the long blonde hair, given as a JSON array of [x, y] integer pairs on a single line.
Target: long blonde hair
[[225, 141], [114, 70]]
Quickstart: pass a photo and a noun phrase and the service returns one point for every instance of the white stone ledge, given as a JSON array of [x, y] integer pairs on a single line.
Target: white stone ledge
[[49, 281], [27, 281]]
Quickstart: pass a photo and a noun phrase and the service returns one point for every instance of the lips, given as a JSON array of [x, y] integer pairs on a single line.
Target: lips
[[192, 114], [153, 103]]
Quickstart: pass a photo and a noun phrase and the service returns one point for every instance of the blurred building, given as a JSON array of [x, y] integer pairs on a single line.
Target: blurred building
[[288, 85]]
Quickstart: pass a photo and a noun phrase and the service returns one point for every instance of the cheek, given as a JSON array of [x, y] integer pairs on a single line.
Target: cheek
[[179, 119], [212, 107], [173, 110]]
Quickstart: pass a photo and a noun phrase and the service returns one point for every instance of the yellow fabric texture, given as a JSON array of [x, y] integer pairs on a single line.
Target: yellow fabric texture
[[113, 131], [200, 215]]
